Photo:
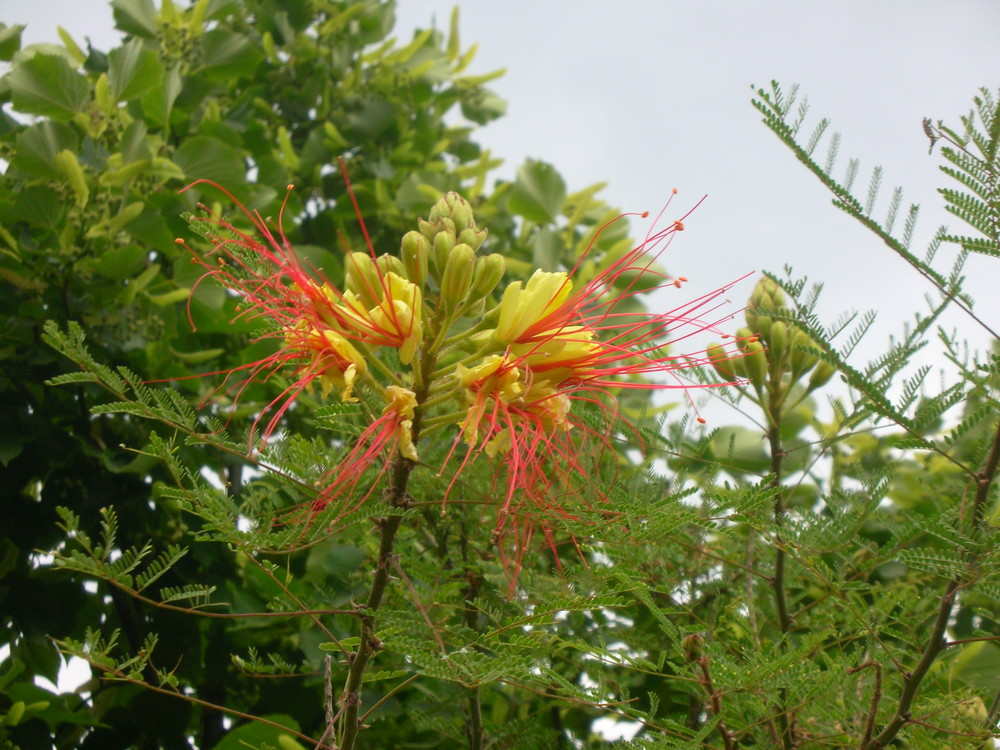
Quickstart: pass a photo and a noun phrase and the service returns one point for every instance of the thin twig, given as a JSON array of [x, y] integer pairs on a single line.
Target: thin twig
[[936, 642], [875, 699]]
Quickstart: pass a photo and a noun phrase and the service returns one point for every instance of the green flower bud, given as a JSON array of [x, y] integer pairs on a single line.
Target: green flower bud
[[764, 326], [427, 229], [473, 237], [821, 375], [755, 362], [720, 361], [693, 646], [739, 368], [457, 277], [744, 336], [475, 309], [445, 224], [454, 208], [778, 340], [387, 263], [487, 274], [799, 358], [777, 296], [444, 242], [461, 213], [751, 318], [363, 278], [766, 286], [414, 250]]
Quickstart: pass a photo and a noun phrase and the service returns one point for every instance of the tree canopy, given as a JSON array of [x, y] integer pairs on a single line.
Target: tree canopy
[[318, 435]]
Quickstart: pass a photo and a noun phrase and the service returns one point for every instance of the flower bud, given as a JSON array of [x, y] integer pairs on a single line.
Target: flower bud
[[778, 340], [473, 237], [387, 263], [487, 274], [415, 249], [799, 357], [457, 277], [764, 326], [363, 278], [475, 309], [461, 213], [455, 208], [720, 361], [755, 363], [821, 375], [744, 336], [427, 229], [443, 244], [775, 297], [693, 646]]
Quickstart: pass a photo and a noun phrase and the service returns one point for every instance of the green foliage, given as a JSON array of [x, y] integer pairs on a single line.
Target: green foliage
[[810, 577]]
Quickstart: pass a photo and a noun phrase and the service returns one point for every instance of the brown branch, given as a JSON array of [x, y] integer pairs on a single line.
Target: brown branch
[[120, 676], [773, 409], [936, 643], [715, 701], [350, 699], [876, 698]]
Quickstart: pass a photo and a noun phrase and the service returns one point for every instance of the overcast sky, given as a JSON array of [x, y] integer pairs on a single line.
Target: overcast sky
[[649, 95]]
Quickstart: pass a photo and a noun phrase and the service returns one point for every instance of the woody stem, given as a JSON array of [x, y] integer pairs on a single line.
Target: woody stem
[[399, 475]]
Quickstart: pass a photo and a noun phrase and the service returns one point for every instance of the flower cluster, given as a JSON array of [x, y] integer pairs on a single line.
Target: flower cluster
[[503, 376]]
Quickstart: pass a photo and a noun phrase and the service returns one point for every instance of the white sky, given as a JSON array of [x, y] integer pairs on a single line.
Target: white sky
[[654, 94]]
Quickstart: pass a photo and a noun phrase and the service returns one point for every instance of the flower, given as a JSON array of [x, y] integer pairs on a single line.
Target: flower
[[554, 340], [560, 346], [328, 335]]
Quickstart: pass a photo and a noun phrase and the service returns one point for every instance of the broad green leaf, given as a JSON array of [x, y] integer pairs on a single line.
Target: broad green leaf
[[133, 70], [46, 85], [122, 262], [38, 145], [40, 206], [256, 734], [227, 55], [740, 449], [10, 40], [539, 192], [134, 144], [483, 106], [136, 17], [208, 158], [978, 665], [159, 100], [547, 249]]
